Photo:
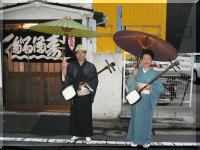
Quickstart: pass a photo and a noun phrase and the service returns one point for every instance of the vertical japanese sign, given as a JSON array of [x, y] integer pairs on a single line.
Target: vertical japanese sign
[[37, 47]]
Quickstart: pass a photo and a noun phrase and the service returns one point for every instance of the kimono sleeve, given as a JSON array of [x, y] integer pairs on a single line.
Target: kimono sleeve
[[156, 90], [92, 85], [68, 78], [130, 84]]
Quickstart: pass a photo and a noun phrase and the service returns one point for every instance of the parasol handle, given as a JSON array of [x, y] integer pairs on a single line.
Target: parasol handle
[[64, 49], [138, 62], [62, 53]]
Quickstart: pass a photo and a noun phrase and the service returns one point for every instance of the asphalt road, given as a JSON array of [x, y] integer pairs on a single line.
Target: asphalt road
[[98, 148]]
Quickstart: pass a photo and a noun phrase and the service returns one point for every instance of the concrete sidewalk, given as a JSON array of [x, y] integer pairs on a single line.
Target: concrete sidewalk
[[43, 129], [50, 122]]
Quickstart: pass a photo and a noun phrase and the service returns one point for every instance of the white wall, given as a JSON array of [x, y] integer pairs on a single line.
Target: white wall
[[78, 3], [42, 11], [107, 103]]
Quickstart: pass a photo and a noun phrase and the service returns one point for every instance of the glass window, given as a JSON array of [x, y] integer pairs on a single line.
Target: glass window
[[197, 59]]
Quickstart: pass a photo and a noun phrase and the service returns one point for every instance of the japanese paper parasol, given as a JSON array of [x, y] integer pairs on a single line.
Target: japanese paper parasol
[[66, 27], [135, 42]]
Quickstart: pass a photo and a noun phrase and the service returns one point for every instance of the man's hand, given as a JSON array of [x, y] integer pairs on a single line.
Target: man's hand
[[64, 64], [64, 67], [82, 85]]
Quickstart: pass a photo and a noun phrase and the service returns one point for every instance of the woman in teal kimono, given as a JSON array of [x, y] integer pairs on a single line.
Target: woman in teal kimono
[[140, 127]]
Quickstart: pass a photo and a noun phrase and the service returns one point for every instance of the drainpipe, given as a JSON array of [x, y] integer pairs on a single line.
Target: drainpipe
[[119, 23]]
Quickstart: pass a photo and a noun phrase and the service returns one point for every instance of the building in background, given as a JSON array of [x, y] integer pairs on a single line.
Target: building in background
[[38, 80], [145, 17], [32, 82]]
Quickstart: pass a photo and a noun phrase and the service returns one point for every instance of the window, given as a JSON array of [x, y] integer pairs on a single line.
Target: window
[[197, 59]]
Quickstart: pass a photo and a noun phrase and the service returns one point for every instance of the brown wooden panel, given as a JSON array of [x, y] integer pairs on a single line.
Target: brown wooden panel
[[51, 67], [57, 67], [28, 85], [32, 74], [27, 67], [39, 107], [34, 94], [34, 87], [38, 67], [23, 90], [14, 91], [59, 98], [10, 65], [21, 67], [46, 67], [10, 95], [53, 91], [16, 66], [47, 108], [33, 67]]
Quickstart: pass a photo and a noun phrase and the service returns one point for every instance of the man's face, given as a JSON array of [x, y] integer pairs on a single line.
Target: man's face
[[80, 55]]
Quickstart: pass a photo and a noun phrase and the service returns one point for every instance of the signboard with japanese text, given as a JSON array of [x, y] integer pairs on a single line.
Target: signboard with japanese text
[[26, 45]]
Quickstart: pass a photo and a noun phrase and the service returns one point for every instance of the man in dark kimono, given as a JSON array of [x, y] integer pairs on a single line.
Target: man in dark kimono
[[81, 110]]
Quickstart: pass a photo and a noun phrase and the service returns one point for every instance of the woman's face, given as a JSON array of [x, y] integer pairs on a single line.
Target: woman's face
[[146, 60]]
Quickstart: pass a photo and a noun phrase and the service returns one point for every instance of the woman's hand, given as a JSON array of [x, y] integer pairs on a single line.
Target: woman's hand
[[138, 88], [135, 72], [148, 87]]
